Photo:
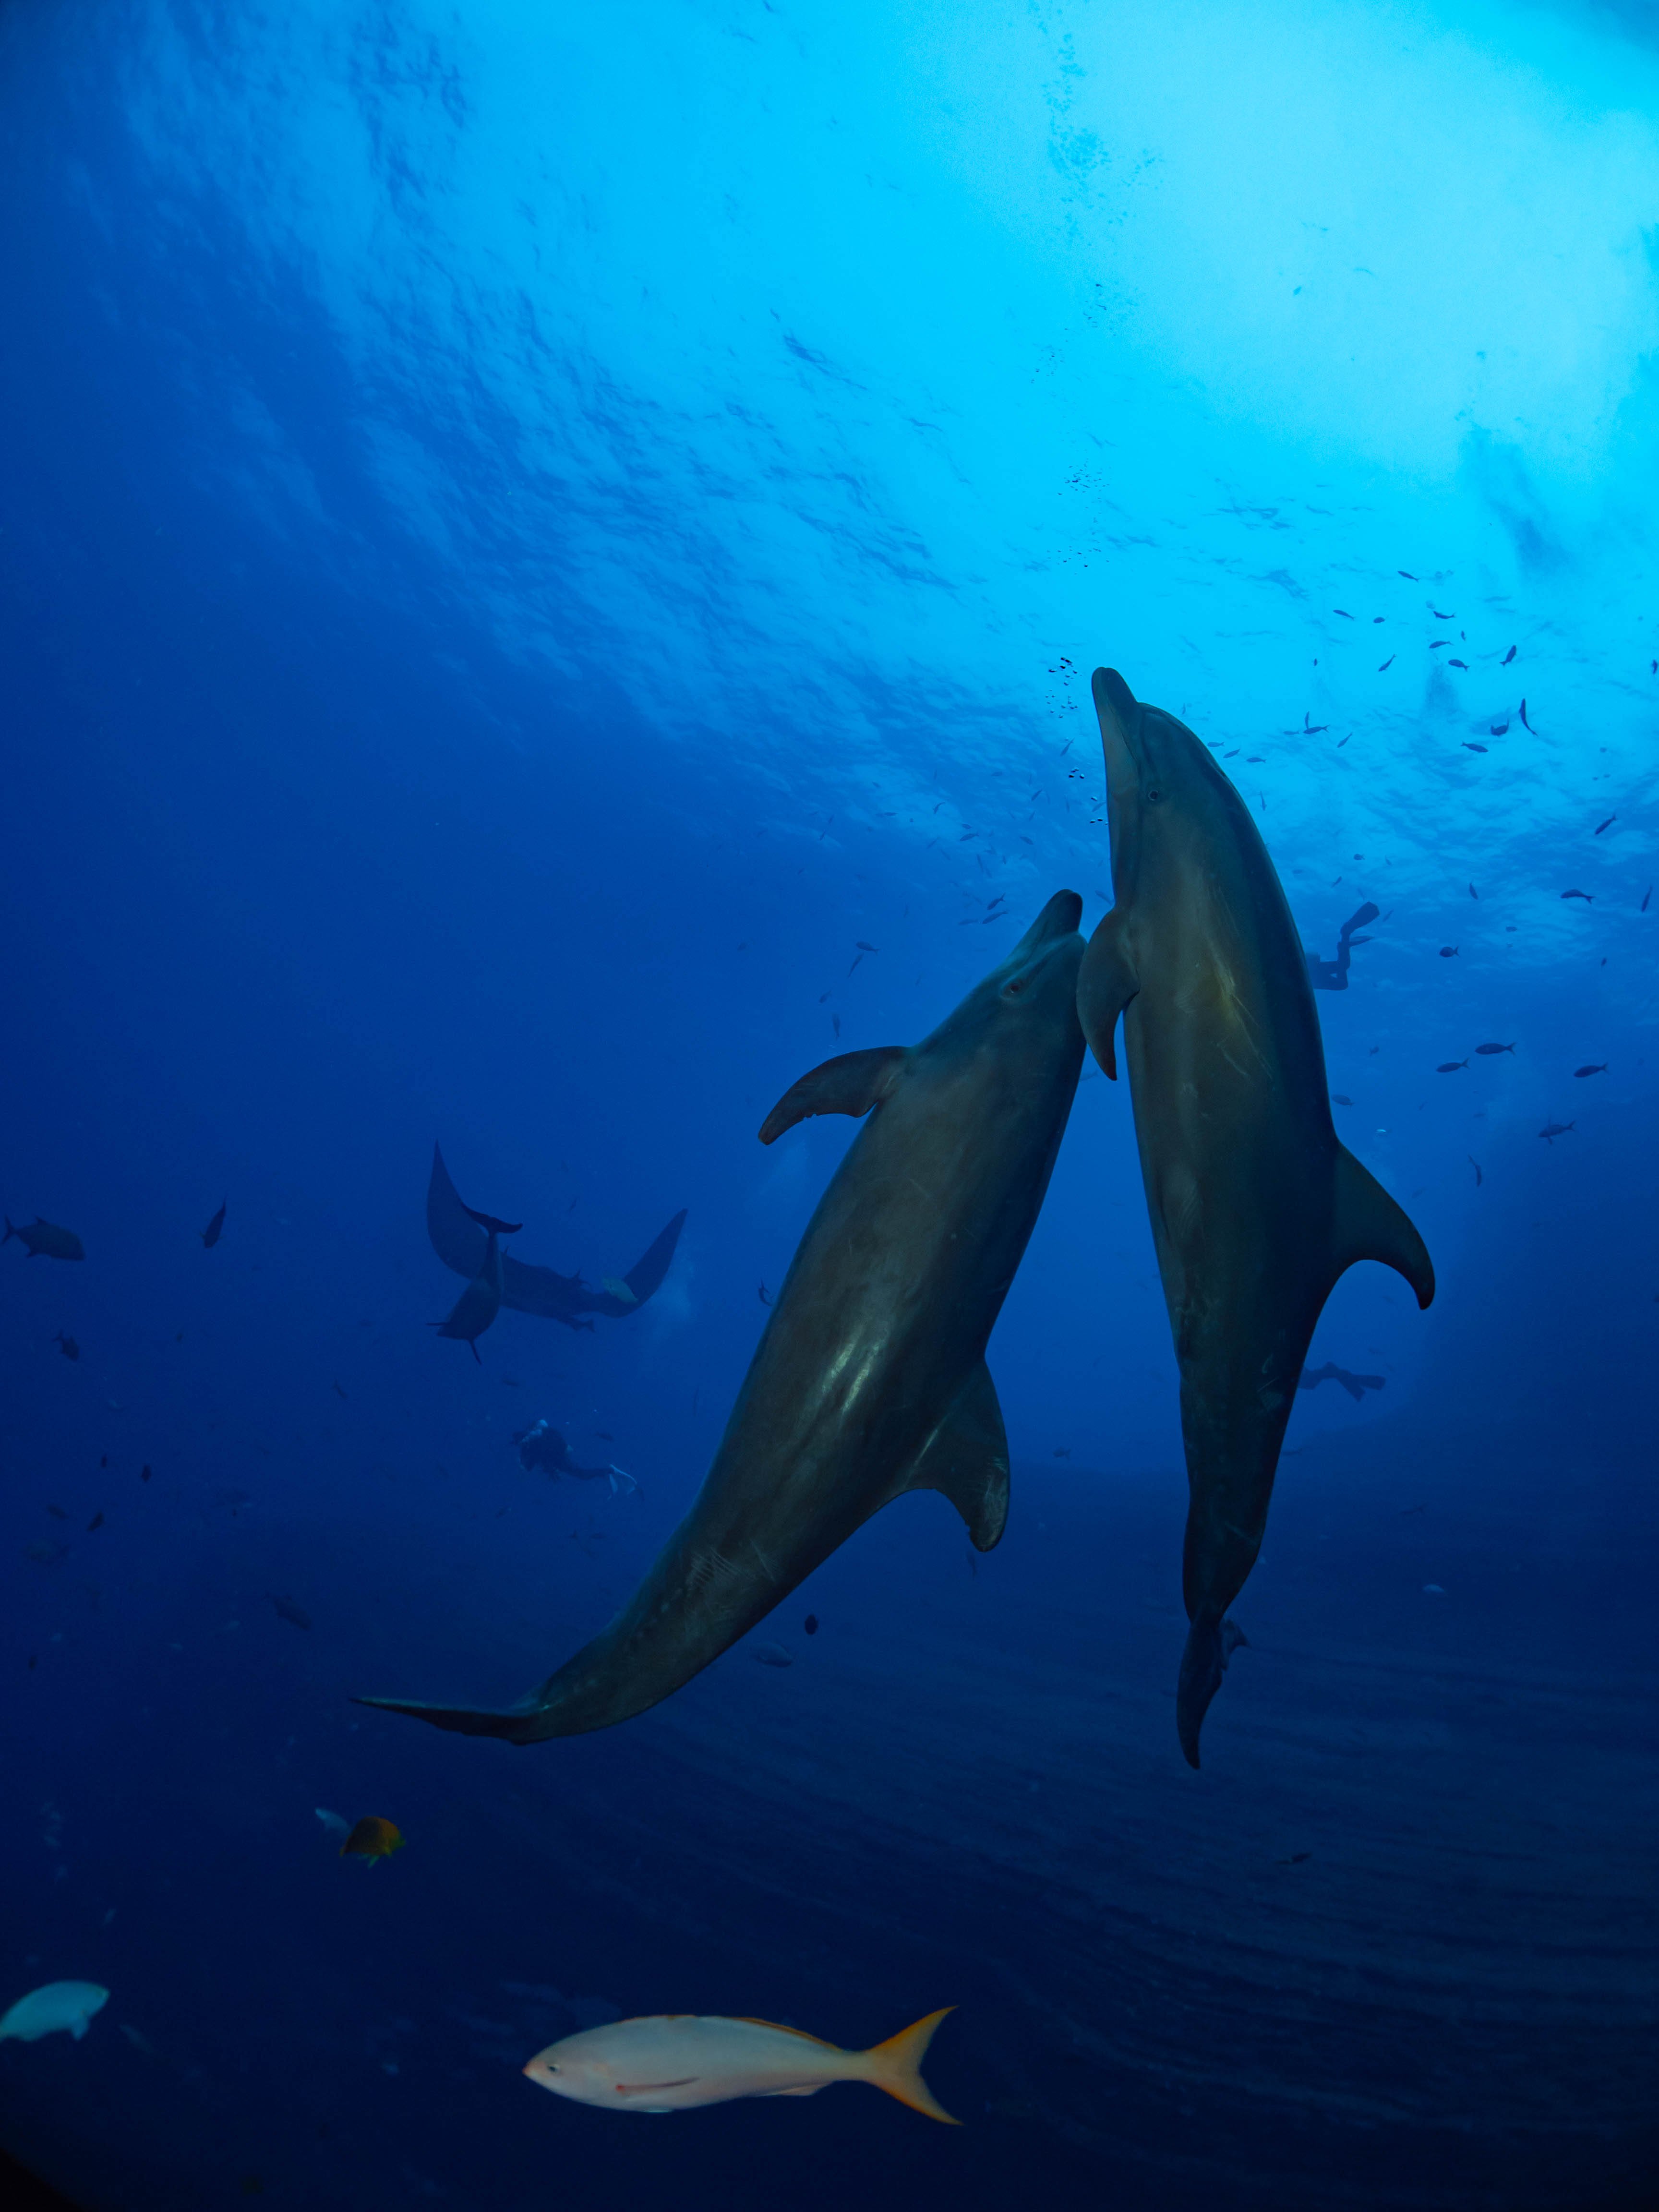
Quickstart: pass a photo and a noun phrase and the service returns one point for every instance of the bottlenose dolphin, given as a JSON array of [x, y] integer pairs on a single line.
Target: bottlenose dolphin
[[1256, 1209], [869, 1377], [481, 1301], [539, 1290]]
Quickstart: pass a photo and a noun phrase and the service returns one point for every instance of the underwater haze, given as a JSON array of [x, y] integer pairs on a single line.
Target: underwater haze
[[553, 559]]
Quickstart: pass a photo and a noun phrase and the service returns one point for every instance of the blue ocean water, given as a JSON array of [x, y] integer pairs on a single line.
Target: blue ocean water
[[552, 563]]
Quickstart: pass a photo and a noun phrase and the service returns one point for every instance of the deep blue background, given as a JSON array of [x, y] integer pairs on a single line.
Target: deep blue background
[[339, 815]]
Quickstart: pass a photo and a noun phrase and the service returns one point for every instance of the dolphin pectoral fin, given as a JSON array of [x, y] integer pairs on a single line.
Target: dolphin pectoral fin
[[1367, 1225], [851, 1082], [516, 1725], [966, 1458], [1105, 984]]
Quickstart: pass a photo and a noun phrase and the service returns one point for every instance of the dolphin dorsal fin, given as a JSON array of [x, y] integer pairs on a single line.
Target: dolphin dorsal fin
[[1367, 1225], [851, 1082], [967, 1458]]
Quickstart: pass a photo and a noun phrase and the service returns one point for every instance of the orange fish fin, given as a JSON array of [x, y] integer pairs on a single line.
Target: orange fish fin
[[896, 2066], [806, 2089]]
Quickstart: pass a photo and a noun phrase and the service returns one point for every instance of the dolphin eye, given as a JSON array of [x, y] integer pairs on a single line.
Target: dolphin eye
[[1012, 990], [1154, 796]]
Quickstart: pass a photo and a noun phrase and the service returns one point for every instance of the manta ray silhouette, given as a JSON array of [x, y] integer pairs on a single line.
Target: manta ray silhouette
[[461, 1245]]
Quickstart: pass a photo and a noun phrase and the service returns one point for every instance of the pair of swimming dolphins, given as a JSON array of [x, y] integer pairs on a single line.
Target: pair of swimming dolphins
[[870, 1379]]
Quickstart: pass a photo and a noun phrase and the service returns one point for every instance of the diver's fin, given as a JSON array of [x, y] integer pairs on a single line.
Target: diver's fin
[[967, 1458], [896, 2066], [1367, 1225], [851, 1082], [462, 1719], [1105, 984]]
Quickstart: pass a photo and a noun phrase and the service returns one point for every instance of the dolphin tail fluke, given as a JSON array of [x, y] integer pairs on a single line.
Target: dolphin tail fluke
[[1203, 1663], [513, 1726], [966, 1459], [1369, 1226], [1105, 984]]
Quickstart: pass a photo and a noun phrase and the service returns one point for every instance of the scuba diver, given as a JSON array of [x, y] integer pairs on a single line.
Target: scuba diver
[[1333, 975], [543, 1447]]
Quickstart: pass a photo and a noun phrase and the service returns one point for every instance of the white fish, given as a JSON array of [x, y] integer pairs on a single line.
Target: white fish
[[772, 1655], [332, 1822], [672, 2061], [58, 2004]]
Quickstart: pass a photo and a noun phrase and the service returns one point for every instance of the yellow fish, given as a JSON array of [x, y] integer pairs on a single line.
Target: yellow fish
[[373, 1839], [672, 2061]]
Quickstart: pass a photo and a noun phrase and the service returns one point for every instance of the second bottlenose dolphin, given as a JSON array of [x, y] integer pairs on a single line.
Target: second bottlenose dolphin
[[870, 1378], [1256, 1209]]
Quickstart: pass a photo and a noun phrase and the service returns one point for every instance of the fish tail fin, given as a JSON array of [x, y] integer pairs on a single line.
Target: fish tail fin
[[1105, 984], [1368, 1225], [896, 2066]]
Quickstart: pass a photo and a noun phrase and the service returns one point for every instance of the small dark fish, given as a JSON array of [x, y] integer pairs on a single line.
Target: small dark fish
[[104, 1460], [1406, 574], [143, 1474], [338, 1392], [1462, 664], [215, 1230], [834, 1023], [1062, 1451], [856, 962], [1508, 657], [1497, 729], [57, 1513], [1343, 612], [1588, 896], [810, 1624], [1607, 824], [765, 1295], [44, 1239], [1489, 1051], [1450, 1066], [863, 947], [1310, 729], [823, 996], [1449, 952], [1388, 663], [67, 1346], [1296, 1858], [1475, 1164], [1646, 895], [606, 1435], [96, 1521], [287, 1610], [1595, 1068], [1339, 1098], [1438, 617], [1525, 724], [373, 1839], [1473, 894], [1469, 746], [1552, 1130]]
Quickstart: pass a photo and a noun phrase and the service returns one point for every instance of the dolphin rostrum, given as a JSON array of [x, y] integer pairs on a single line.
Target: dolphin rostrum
[[1256, 1209], [869, 1377], [481, 1301]]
